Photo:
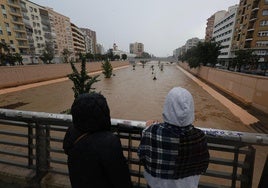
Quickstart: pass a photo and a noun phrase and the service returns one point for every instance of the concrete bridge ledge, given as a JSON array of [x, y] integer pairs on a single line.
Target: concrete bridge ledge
[[55, 181], [15, 177]]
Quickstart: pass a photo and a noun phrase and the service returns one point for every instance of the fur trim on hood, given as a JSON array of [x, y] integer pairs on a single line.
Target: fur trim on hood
[[179, 107]]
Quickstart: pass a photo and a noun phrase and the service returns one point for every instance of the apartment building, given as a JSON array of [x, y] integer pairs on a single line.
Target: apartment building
[[251, 28], [223, 31], [91, 37], [62, 34], [136, 48], [211, 22], [78, 40], [12, 29], [35, 28], [27, 28]]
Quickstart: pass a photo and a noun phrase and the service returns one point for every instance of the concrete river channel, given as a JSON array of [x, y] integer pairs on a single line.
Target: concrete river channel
[[133, 94]]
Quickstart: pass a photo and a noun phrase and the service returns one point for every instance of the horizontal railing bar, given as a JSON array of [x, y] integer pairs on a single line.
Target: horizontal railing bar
[[56, 150], [135, 173], [220, 174], [58, 171], [13, 144], [56, 139], [19, 164], [58, 128], [226, 162], [58, 161], [134, 161], [13, 123], [123, 136], [13, 153], [126, 148], [211, 185], [228, 148], [66, 120], [13, 133]]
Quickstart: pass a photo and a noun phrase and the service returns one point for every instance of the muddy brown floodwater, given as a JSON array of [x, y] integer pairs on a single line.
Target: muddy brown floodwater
[[134, 95]]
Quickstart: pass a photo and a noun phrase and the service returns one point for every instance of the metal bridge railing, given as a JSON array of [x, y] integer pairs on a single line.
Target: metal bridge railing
[[33, 141]]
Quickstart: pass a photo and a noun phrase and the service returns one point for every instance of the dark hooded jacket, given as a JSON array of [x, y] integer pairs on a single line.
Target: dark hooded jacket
[[95, 156]]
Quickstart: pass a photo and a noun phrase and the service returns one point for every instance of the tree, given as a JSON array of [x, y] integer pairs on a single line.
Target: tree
[[204, 53], [3, 47], [243, 58], [107, 69], [124, 56], [145, 55], [19, 58], [90, 56], [10, 58], [66, 54], [110, 54], [82, 81], [117, 57], [48, 53]]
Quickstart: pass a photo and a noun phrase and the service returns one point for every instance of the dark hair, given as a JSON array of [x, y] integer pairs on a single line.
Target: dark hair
[[91, 113]]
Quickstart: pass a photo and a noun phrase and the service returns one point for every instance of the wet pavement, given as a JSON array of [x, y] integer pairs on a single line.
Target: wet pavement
[[135, 95]]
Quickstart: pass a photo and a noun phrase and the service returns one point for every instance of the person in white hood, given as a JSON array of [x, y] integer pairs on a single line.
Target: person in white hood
[[174, 153]]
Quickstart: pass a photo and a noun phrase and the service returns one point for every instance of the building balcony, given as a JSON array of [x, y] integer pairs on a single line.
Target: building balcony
[[255, 9], [18, 14], [249, 38], [19, 22]]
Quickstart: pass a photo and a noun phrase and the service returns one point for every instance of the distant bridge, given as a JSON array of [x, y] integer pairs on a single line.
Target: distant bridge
[[170, 59]]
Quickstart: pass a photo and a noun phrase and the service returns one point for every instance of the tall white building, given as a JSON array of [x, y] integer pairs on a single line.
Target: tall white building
[[223, 32]]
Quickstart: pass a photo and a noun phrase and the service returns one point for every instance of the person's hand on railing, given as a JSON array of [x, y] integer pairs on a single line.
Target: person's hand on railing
[[151, 122]]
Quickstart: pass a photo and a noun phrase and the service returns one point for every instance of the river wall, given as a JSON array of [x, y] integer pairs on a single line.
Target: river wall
[[252, 90], [11, 76]]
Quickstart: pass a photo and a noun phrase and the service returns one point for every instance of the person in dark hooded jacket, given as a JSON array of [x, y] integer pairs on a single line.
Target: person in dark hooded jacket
[[95, 155]]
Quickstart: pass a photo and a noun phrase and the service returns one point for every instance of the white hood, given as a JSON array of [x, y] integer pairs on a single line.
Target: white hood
[[179, 107]]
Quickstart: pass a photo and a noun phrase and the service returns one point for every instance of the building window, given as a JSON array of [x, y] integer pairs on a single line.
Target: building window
[[261, 43], [264, 23], [265, 12], [3, 7], [263, 34]]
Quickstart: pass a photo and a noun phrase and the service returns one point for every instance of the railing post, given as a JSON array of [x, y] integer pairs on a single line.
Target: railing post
[[248, 170], [42, 164]]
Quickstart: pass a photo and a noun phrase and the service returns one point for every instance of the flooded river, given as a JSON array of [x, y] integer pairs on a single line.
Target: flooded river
[[135, 95]]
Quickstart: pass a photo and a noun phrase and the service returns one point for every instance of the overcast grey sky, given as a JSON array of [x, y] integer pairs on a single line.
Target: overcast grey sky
[[161, 25]]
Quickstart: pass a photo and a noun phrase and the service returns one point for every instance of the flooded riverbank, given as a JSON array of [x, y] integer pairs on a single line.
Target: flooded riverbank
[[135, 95]]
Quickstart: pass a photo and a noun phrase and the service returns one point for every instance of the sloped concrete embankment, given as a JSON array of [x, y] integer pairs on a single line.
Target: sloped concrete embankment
[[251, 90], [27, 74]]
